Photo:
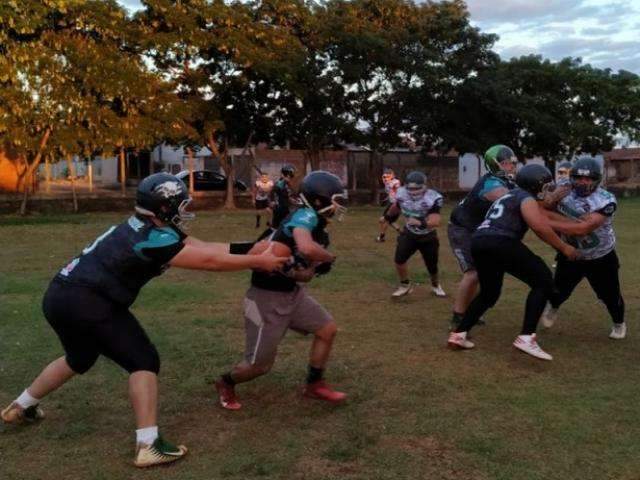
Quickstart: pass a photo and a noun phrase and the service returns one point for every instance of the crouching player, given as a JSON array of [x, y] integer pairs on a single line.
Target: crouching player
[[421, 209], [277, 302], [586, 221], [87, 304], [497, 248]]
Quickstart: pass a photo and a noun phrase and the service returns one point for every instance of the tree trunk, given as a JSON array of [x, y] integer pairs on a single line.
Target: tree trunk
[[72, 175], [227, 167], [47, 170], [32, 169], [123, 172], [90, 173], [190, 156]]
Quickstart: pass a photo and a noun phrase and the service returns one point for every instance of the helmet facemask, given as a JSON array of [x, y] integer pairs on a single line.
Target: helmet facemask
[[546, 189], [336, 207], [582, 189], [182, 217], [416, 190]]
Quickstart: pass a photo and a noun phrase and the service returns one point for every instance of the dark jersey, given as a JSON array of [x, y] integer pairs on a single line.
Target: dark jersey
[[470, 212], [123, 259], [281, 281], [282, 191], [504, 217]]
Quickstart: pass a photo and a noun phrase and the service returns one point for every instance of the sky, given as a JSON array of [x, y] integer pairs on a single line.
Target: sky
[[604, 33]]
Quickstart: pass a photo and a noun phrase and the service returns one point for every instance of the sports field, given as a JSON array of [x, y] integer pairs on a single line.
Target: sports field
[[416, 410]]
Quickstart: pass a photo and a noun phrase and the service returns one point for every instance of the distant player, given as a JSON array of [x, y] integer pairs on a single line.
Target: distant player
[[420, 207], [282, 193], [391, 186], [562, 173], [278, 302], [587, 223], [500, 162], [261, 193], [497, 248], [87, 304]]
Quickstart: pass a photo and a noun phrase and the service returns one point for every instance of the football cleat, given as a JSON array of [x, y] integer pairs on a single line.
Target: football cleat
[[158, 453], [227, 396], [438, 291], [17, 415], [528, 344], [618, 331], [402, 290], [458, 341], [549, 316], [321, 391]]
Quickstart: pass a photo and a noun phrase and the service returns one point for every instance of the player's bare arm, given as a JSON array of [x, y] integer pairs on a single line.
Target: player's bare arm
[[205, 258], [311, 250], [587, 224], [536, 220], [433, 220]]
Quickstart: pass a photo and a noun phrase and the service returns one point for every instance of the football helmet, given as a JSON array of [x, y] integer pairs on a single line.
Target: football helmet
[[165, 197], [494, 157], [288, 170], [416, 184], [585, 167], [324, 192], [535, 179]]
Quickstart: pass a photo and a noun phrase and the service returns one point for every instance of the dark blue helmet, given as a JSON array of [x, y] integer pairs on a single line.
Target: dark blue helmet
[[586, 167], [288, 170], [324, 192], [416, 184], [165, 197], [534, 178]]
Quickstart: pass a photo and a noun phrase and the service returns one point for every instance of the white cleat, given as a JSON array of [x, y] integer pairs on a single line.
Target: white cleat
[[549, 316], [619, 331], [438, 291], [458, 341], [402, 290], [528, 344]]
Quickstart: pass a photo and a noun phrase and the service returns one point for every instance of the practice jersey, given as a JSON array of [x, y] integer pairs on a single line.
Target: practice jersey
[[391, 189], [504, 217], [263, 189], [124, 258], [603, 239], [281, 281], [470, 212], [429, 202], [282, 191]]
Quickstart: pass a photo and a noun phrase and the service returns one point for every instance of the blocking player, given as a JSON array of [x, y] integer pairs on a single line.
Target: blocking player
[[87, 304], [391, 186], [278, 301], [421, 209], [282, 192], [261, 193], [497, 248], [500, 162], [586, 222]]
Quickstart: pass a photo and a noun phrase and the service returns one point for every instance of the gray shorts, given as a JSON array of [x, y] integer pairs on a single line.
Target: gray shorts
[[460, 242], [268, 315]]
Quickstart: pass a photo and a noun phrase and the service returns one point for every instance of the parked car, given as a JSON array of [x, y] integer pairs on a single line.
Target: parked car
[[207, 180]]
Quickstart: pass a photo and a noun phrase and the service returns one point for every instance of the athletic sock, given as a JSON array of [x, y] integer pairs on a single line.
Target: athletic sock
[[25, 400], [315, 374], [147, 435], [226, 378]]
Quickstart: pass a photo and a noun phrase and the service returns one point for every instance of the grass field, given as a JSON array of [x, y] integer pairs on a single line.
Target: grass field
[[416, 409]]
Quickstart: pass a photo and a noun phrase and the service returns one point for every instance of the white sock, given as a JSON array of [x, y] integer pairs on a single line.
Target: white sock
[[147, 435], [25, 400]]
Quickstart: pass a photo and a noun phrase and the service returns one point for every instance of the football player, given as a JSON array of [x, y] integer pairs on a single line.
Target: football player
[[282, 192], [500, 162], [87, 304], [421, 209], [497, 248], [586, 222], [261, 193], [277, 302], [562, 173], [391, 186]]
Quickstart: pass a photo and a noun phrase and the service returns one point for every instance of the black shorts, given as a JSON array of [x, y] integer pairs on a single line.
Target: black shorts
[[261, 204], [89, 325], [279, 214], [387, 217], [427, 245], [460, 242]]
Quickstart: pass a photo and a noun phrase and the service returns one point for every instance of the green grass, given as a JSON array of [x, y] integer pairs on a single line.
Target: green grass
[[416, 410]]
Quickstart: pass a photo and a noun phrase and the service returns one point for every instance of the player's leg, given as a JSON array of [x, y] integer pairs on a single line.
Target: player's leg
[[383, 224], [531, 269], [309, 316], [429, 248], [568, 274], [122, 339], [70, 313], [266, 319], [460, 242], [603, 276], [405, 248]]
